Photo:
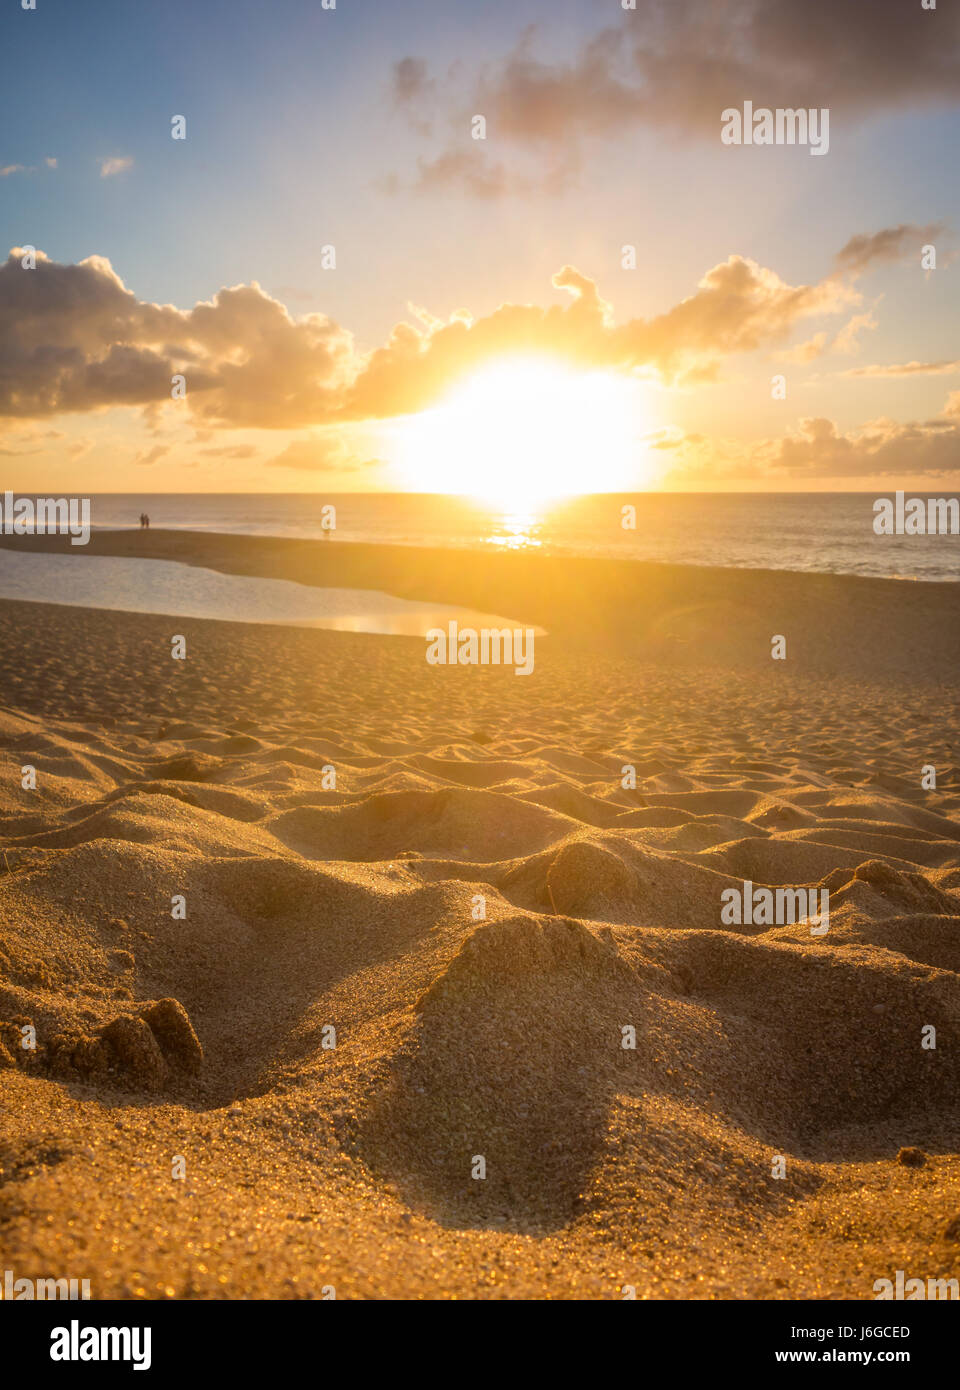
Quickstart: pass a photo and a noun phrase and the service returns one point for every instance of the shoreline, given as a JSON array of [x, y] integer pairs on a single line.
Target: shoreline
[[832, 623]]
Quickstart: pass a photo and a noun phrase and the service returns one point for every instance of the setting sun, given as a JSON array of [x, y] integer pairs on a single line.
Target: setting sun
[[529, 429]]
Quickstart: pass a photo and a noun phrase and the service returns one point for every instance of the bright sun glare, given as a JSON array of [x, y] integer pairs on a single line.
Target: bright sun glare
[[527, 430]]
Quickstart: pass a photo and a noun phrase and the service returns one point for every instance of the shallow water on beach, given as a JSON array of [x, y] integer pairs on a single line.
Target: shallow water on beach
[[189, 591]]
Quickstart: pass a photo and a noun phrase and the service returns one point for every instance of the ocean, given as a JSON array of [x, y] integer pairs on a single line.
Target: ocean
[[826, 532]]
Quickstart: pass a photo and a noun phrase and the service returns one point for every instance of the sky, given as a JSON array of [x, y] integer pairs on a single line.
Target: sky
[[330, 284]]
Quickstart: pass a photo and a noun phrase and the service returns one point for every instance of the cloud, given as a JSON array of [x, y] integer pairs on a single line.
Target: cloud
[[154, 455], [232, 451], [695, 57], [883, 447], [891, 244], [675, 65], [471, 170], [410, 80], [806, 352], [75, 338], [534, 101], [847, 340], [894, 369], [115, 165], [738, 307], [412, 92], [526, 90], [818, 450], [7, 170]]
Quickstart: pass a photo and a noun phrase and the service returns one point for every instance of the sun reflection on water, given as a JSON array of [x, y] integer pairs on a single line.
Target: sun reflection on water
[[517, 531]]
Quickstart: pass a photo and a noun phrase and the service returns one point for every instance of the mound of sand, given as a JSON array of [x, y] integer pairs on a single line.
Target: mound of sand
[[468, 1023]]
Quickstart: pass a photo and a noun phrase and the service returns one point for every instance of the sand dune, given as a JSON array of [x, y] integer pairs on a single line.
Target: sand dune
[[355, 907]]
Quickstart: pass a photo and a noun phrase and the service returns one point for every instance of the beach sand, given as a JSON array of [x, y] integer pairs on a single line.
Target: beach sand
[[309, 1166]]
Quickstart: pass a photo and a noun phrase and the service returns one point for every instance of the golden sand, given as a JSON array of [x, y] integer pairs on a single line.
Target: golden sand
[[309, 1166]]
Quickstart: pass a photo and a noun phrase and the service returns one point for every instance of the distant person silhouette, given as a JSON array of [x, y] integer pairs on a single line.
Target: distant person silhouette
[[143, 520], [146, 521]]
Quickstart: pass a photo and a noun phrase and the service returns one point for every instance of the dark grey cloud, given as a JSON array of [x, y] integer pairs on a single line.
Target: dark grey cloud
[[890, 244], [676, 65]]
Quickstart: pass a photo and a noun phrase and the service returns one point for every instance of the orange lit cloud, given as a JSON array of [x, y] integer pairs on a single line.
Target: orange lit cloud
[[738, 306], [74, 338]]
